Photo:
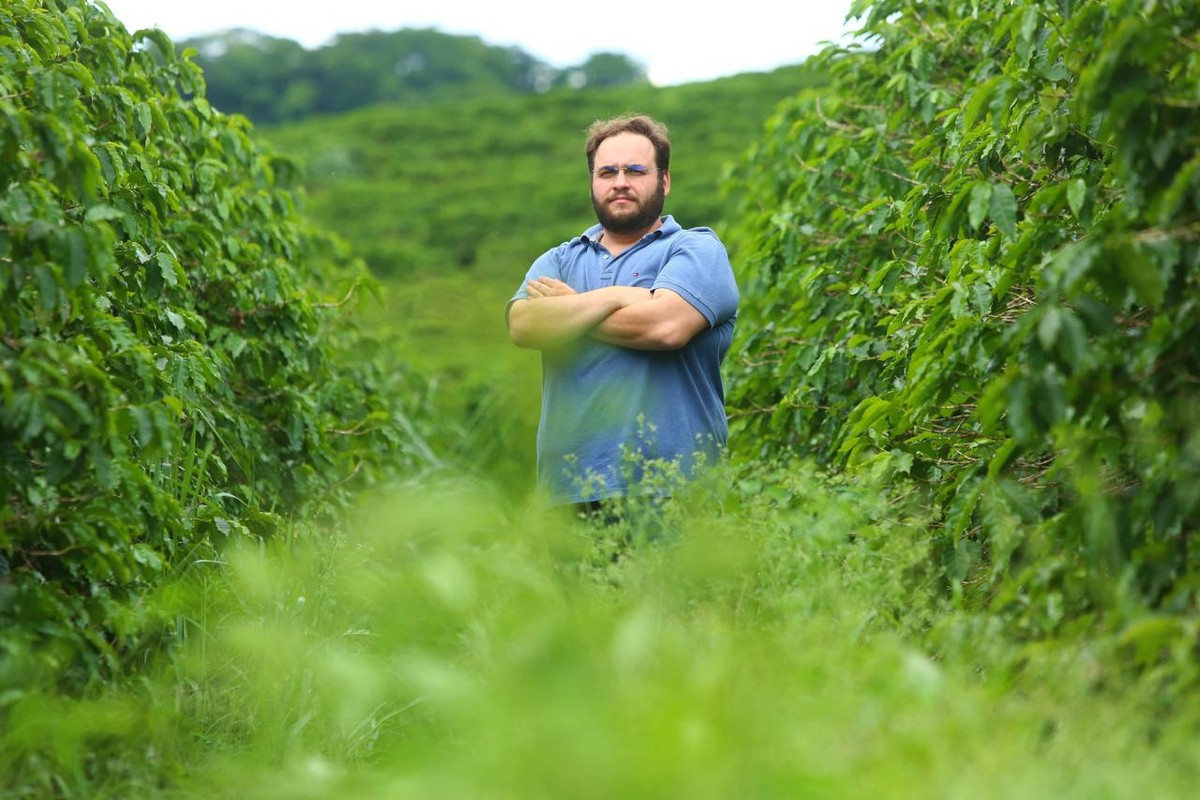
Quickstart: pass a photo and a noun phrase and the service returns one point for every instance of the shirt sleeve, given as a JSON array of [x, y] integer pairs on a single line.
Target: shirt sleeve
[[546, 265], [698, 270]]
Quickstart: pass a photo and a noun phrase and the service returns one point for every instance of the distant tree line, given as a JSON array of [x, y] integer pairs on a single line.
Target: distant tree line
[[271, 80]]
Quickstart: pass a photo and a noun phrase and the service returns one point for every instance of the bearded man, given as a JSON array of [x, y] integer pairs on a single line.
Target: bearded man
[[633, 319]]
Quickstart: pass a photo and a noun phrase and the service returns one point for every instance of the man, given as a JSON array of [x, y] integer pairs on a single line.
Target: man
[[632, 318]]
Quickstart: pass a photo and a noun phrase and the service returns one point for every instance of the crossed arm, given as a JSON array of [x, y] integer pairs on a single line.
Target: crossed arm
[[628, 316]]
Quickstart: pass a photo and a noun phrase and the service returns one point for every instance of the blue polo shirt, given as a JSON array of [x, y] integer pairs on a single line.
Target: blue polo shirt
[[618, 421]]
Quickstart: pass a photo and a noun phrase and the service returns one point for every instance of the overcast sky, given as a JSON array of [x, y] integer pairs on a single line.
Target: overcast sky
[[678, 42]]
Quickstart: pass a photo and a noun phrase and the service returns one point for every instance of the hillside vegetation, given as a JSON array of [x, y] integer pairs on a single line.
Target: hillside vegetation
[[265, 527], [480, 185], [271, 79]]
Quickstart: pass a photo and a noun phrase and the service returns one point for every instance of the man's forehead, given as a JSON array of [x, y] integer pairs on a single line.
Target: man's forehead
[[633, 143]]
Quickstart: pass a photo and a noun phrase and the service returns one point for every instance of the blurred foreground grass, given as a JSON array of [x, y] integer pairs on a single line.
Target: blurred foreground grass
[[452, 644]]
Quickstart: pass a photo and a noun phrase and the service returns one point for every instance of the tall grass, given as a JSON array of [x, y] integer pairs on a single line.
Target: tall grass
[[450, 643]]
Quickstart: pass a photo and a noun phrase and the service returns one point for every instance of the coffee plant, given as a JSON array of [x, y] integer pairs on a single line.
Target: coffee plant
[[176, 369], [971, 265]]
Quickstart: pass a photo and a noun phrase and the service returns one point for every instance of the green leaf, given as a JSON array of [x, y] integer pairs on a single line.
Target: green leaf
[[980, 99], [77, 257], [1002, 458], [980, 202], [168, 268], [163, 42], [147, 556], [1048, 327], [1003, 210], [101, 212], [47, 286], [80, 73], [1077, 192], [1025, 38], [144, 120]]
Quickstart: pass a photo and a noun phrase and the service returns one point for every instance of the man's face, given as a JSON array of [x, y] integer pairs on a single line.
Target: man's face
[[628, 203]]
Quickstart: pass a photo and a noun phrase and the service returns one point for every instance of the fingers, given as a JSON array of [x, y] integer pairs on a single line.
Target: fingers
[[548, 287]]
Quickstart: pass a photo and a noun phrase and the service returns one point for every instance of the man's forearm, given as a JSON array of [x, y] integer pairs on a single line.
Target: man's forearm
[[664, 322], [545, 322], [630, 327]]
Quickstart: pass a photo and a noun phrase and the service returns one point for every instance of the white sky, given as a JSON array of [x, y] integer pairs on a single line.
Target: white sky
[[677, 40]]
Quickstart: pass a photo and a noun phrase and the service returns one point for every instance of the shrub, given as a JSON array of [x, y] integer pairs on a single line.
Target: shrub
[[972, 264], [172, 373]]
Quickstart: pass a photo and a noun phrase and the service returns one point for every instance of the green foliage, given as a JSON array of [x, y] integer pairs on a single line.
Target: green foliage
[[275, 80], [170, 369], [261, 77], [969, 280], [486, 184], [453, 644], [973, 265]]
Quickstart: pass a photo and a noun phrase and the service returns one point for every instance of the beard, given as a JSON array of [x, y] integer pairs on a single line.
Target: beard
[[641, 216]]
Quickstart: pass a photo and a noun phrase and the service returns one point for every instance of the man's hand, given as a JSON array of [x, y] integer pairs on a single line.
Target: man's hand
[[548, 287]]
